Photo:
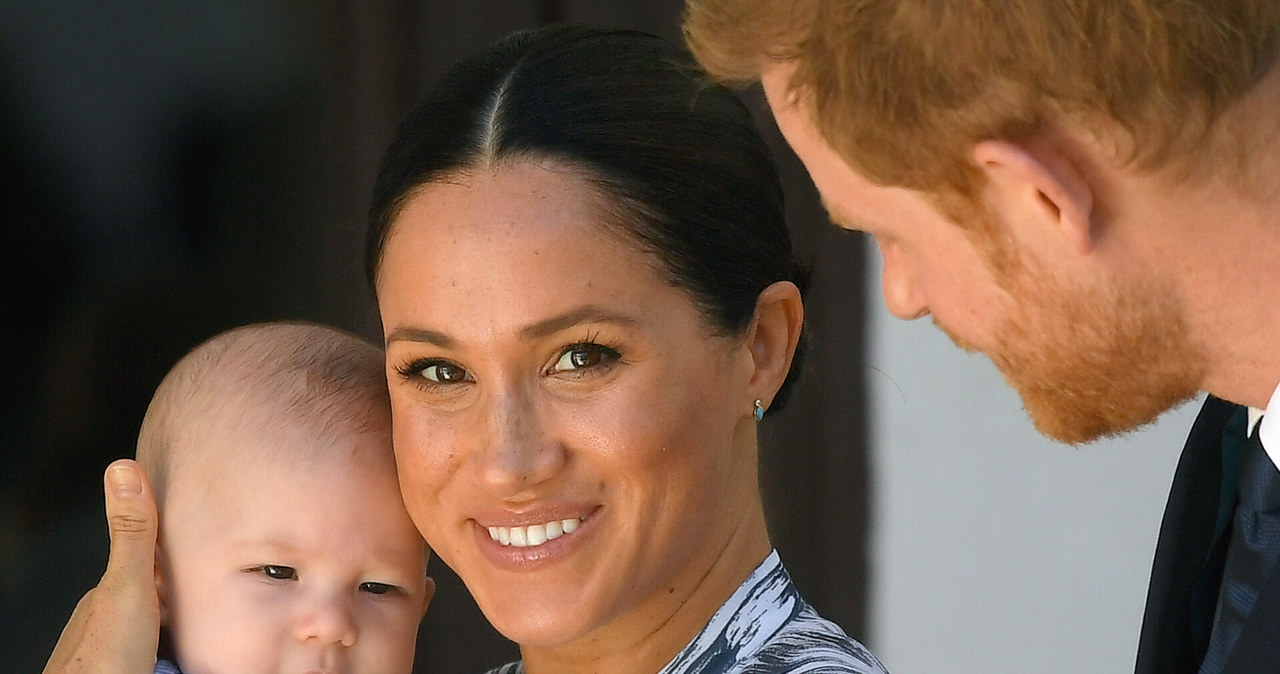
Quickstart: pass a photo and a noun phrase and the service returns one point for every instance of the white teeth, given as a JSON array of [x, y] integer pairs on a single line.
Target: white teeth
[[534, 534]]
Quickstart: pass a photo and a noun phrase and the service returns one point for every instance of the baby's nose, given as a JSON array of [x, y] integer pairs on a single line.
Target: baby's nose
[[329, 621]]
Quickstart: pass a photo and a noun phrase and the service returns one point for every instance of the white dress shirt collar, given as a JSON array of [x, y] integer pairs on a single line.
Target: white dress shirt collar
[[1269, 429]]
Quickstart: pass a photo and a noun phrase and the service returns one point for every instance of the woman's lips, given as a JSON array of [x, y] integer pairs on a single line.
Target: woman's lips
[[519, 541]]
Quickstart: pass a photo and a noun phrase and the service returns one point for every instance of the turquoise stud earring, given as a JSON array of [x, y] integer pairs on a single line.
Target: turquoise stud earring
[[759, 412]]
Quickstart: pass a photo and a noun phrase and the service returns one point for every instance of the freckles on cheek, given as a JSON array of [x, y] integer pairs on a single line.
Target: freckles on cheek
[[425, 458]]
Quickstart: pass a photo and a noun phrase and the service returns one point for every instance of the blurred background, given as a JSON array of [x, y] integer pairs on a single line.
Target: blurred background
[[171, 170]]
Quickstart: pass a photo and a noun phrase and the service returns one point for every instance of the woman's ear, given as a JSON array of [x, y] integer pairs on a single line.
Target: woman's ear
[[772, 338], [1042, 182]]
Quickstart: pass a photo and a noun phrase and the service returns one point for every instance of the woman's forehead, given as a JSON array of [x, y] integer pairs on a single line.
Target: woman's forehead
[[520, 237]]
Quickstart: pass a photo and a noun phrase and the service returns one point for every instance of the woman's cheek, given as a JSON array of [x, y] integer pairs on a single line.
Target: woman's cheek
[[425, 459]]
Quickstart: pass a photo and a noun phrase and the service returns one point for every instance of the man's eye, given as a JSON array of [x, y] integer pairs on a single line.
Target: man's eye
[[377, 588], [277, 572], [582, 356]]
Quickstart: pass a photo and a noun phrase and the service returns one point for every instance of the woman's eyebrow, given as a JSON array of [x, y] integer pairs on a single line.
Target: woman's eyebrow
[[586, 314], [423, 335]]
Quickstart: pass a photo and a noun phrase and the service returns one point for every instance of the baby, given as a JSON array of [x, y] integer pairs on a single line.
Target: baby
[[284, 543]]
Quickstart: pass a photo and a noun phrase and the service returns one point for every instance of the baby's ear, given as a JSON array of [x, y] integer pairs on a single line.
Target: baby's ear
[[162, 587]]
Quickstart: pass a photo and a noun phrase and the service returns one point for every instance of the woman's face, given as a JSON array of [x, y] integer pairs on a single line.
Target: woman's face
[[570, 435]]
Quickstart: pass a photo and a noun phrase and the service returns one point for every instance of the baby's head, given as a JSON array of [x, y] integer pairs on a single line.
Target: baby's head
[[284, 543]]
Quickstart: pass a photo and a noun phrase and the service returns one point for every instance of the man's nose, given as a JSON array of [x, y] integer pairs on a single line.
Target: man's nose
[[902, 294]]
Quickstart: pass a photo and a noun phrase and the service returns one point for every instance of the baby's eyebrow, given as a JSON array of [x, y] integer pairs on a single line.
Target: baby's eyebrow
[[263, 546]]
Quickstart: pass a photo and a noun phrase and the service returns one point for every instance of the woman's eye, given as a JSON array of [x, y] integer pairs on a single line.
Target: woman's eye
[[586, 355], [440, 372], [277, 572], [377, 588]]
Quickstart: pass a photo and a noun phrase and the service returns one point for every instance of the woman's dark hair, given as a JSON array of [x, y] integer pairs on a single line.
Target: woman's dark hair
[[681, 158]]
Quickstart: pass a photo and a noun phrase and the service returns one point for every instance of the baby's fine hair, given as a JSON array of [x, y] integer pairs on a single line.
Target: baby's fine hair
[[257, 380]]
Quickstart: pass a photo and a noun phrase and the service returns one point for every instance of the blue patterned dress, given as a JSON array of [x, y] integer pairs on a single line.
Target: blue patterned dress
[[766, 628]]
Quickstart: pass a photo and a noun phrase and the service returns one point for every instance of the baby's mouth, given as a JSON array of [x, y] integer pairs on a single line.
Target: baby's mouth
[[534, 534]]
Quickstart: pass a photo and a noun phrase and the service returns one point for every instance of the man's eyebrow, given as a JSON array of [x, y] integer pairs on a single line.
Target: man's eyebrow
[[831, 214], [842, 224], [586, 314]]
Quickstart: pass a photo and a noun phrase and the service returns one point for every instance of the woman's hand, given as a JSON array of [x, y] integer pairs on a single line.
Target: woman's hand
[[116, 626]]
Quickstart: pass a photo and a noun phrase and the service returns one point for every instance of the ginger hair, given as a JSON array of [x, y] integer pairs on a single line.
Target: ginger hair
[[903, 89]]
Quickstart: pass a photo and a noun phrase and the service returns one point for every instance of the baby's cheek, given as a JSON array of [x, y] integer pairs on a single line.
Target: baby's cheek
[[388, 641], [240, 632]]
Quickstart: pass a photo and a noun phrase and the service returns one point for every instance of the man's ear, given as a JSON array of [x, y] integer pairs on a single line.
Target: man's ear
[[772, 339], [1043, 182]]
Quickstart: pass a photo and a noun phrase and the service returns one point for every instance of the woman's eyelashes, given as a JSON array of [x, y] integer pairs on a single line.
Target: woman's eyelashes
[[585, 357], [434, 372], [576, 360]]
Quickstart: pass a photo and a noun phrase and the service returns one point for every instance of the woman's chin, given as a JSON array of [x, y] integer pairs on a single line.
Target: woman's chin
[[533, 624]]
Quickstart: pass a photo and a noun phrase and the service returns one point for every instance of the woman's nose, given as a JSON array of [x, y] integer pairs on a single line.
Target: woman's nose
[[902, 295], [329, 620], [518, 453]]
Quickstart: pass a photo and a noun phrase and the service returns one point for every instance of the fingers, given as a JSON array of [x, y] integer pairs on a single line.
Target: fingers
[[115, 627], [132, 522]]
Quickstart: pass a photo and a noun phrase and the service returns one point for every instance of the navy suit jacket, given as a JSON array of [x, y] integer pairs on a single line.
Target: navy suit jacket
[[1187, 570]]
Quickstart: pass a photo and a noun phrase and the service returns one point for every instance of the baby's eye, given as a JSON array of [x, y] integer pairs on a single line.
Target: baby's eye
[[377, 588], [277, 572], [585, 355]]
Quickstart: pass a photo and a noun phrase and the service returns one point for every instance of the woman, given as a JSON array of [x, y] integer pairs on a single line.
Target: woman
[[589, 300]]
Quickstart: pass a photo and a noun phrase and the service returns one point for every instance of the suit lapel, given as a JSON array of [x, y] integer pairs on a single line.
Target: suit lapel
[[1174, 633]]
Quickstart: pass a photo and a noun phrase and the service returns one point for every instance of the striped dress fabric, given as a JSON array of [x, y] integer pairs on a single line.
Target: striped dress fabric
[[766, 628]]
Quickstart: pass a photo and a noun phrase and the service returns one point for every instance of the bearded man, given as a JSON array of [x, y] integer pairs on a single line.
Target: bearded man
[[1086, 192]]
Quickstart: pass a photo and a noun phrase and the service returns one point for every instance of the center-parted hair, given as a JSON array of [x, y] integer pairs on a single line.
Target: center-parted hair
[[678, 157]]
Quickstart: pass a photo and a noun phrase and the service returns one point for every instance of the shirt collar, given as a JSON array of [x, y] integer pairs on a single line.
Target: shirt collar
[[1269, 429]]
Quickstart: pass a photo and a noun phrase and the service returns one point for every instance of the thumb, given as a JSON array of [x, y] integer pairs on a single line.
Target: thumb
[[132, 522]]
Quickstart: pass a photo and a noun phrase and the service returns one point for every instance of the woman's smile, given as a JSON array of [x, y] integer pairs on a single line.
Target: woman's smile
[[533, 535], [527, 548]]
